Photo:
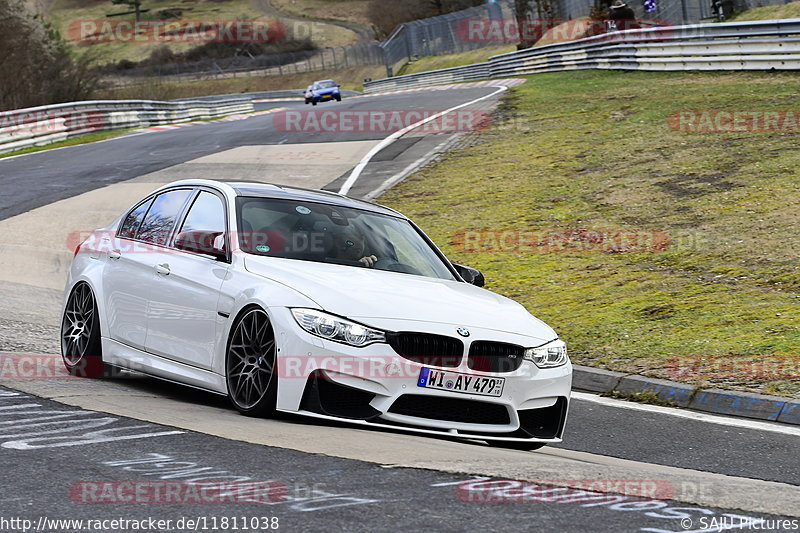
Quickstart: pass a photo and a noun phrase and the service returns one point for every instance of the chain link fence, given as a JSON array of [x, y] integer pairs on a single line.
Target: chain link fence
[[427, 37], [265, 65], [445, 34]]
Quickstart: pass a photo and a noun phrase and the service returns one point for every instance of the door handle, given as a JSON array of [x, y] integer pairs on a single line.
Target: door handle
[[163, 269], [114, 254]]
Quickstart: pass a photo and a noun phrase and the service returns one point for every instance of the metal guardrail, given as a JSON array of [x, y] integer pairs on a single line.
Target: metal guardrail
[[261, 95], [755, 45], [476, 71], [36, 126]]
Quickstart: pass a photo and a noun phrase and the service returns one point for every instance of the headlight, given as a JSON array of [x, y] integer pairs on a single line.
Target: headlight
[[552, 354], [335, 328]]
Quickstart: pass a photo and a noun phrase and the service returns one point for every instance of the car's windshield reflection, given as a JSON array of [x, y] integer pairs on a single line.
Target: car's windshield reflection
[[332, 234]]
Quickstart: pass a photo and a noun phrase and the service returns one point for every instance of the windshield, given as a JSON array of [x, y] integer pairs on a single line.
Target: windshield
[[324, 233], [324, 84]]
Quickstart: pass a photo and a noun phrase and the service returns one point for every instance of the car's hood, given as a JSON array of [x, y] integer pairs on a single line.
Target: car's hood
[[329, 90], [362, 293]]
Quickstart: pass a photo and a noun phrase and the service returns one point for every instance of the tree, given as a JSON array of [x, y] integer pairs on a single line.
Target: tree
[[44, 70]]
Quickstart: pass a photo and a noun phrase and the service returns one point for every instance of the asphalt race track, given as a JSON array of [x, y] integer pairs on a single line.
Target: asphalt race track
[[67, 444]]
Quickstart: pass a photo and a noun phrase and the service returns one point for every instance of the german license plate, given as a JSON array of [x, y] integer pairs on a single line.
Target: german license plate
[[463, 383]]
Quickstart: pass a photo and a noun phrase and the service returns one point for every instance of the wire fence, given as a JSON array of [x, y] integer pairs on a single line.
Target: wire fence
[[445, 34], [427, 37], [265, 65]]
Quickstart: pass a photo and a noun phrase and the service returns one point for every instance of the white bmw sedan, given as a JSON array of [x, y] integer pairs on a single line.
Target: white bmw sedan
[[312, 303]]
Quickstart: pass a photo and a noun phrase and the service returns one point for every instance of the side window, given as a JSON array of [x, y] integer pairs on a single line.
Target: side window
[[134, 220], [207, 214], [160, 218]]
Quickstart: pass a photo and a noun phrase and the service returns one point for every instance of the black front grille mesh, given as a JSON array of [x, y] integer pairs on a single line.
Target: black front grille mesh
[[490, 356], [450, 409], [428, 349]]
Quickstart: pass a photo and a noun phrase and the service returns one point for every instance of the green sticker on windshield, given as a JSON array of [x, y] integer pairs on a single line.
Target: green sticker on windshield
[[303, 210], [262, 248]]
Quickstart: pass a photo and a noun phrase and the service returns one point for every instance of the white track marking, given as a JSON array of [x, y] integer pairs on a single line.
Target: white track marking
[[744, 423], [348, 184]]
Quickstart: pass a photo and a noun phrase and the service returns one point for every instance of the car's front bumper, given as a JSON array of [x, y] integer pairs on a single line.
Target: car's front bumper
[[374, 385]]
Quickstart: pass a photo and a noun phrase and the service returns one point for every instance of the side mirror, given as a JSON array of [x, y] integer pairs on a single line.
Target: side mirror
[[202, 242], [470, 275]]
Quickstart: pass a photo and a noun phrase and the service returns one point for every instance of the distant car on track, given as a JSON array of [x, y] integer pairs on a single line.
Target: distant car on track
[[312, 303], [323, 91]]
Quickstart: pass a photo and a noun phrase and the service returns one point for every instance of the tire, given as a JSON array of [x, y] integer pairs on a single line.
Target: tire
[[516, 445], [339, 98], [250, 362], [307, 101], [81, 349], [313, 102]]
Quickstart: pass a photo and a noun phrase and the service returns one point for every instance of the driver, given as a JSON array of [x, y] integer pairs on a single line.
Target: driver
[[351, 246]]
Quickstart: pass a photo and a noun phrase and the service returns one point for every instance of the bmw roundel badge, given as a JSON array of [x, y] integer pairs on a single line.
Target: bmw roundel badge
[[464, 332]]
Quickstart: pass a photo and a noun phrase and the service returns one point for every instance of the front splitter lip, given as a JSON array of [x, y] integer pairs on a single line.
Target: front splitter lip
[[453, 433]]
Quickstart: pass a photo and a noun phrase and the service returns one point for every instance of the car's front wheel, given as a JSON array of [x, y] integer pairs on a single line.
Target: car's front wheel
[[250, 364], [313, 102], [81, 349]]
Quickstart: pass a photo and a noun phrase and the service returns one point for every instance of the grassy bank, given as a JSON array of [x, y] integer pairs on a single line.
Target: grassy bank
[[593, 151], [82, 139], [157, 89], [782, 11], [68, 14], [454, 60], [354, 11]]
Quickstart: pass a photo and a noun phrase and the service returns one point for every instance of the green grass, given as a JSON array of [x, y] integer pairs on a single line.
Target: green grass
[[156, 89], [592, 150], [783, 11], [64, 12], [354, 11], [454, 60], [81, 139]]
